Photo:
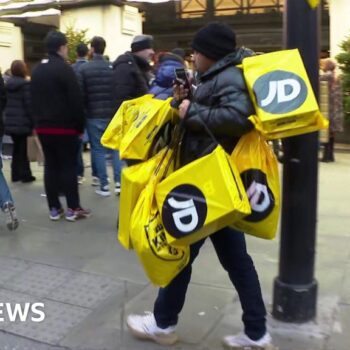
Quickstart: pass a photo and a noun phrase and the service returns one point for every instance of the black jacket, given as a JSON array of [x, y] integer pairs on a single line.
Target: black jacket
[[17, 114], [131, 77], [221, 101], [2, 103], [96, 83], [56, 96]]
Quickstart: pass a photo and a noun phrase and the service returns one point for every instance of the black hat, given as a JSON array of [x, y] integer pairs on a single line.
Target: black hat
[[215, 40], [54, 40], [141, 42]]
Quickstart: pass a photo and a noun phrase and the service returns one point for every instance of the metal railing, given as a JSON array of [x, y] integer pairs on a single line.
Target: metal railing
[[201, 8]]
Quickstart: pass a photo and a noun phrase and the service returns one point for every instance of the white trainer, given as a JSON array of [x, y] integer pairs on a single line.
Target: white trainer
[[117, 188], [103, 191], [95, 181], [242, 342], [145, 327]]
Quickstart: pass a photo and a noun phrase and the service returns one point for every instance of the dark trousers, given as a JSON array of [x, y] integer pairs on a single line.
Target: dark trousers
[[61, 154], [20, 167], [328, 151], [231, 250]]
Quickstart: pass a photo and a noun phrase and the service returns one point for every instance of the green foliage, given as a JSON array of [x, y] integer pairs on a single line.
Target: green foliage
[[344, 64], [75, 37]]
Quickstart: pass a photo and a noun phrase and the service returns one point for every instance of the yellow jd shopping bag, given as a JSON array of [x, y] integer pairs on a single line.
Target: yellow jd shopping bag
[[201, 198], [281, 92], [121, 122], [258, 168], [138, 140], [133, 180], [319, 123], [161, 261]]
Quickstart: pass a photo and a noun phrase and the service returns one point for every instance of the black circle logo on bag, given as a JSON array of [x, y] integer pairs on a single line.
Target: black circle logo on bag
[[184, 210], [261, 198], [280, 92]]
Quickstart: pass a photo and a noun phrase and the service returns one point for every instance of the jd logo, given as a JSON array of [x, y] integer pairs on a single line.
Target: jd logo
[[184, 210], [280, 92], [260, 196]]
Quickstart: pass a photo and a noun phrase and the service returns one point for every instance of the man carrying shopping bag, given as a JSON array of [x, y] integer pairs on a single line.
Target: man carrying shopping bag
[[222, 103]]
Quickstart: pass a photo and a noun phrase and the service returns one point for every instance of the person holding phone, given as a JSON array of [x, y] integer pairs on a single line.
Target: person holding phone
[[168, 64], [221, 102]]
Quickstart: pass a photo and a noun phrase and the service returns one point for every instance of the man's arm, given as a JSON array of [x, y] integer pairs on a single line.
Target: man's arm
[[229, 116], [75, 100]]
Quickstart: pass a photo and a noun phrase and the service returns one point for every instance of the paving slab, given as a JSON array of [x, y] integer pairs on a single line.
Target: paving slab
[[11, 267], [59, 320], [15, 342], [86, 290], [101, 329], [13, 298], [39, 280], [340, 335]]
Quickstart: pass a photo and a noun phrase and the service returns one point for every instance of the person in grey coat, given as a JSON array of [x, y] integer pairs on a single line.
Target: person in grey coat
[[18, 120], [221, 102]]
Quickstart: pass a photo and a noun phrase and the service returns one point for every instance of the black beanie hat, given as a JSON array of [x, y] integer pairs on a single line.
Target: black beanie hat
[[215, 40], [141, 42], [54, 40]]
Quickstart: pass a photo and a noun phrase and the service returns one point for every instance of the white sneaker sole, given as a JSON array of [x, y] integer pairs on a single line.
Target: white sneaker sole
[[103, 193], [161, 339], [248, 347]]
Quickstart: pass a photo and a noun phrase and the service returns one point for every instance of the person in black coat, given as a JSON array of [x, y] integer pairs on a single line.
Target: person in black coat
[[59, 121], [18, 120], [132, 70], [96, 82], [221, 102]]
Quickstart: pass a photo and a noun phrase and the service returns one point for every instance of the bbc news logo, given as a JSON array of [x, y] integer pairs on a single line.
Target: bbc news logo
[[22, 311]]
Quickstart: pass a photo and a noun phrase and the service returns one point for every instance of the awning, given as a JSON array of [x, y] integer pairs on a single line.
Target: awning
[[31, 14]]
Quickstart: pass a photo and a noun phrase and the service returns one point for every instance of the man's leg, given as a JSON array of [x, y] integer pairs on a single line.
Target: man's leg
[[116, 163], [51, 171], [160, 327], [95, 128], [23, 160], [171, 299], [231, 250], [67, 154]]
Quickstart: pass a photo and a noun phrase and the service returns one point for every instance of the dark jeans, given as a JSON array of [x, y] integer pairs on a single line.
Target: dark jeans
[[61, 153], [20, 167], [95, 129], [231, 250]]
